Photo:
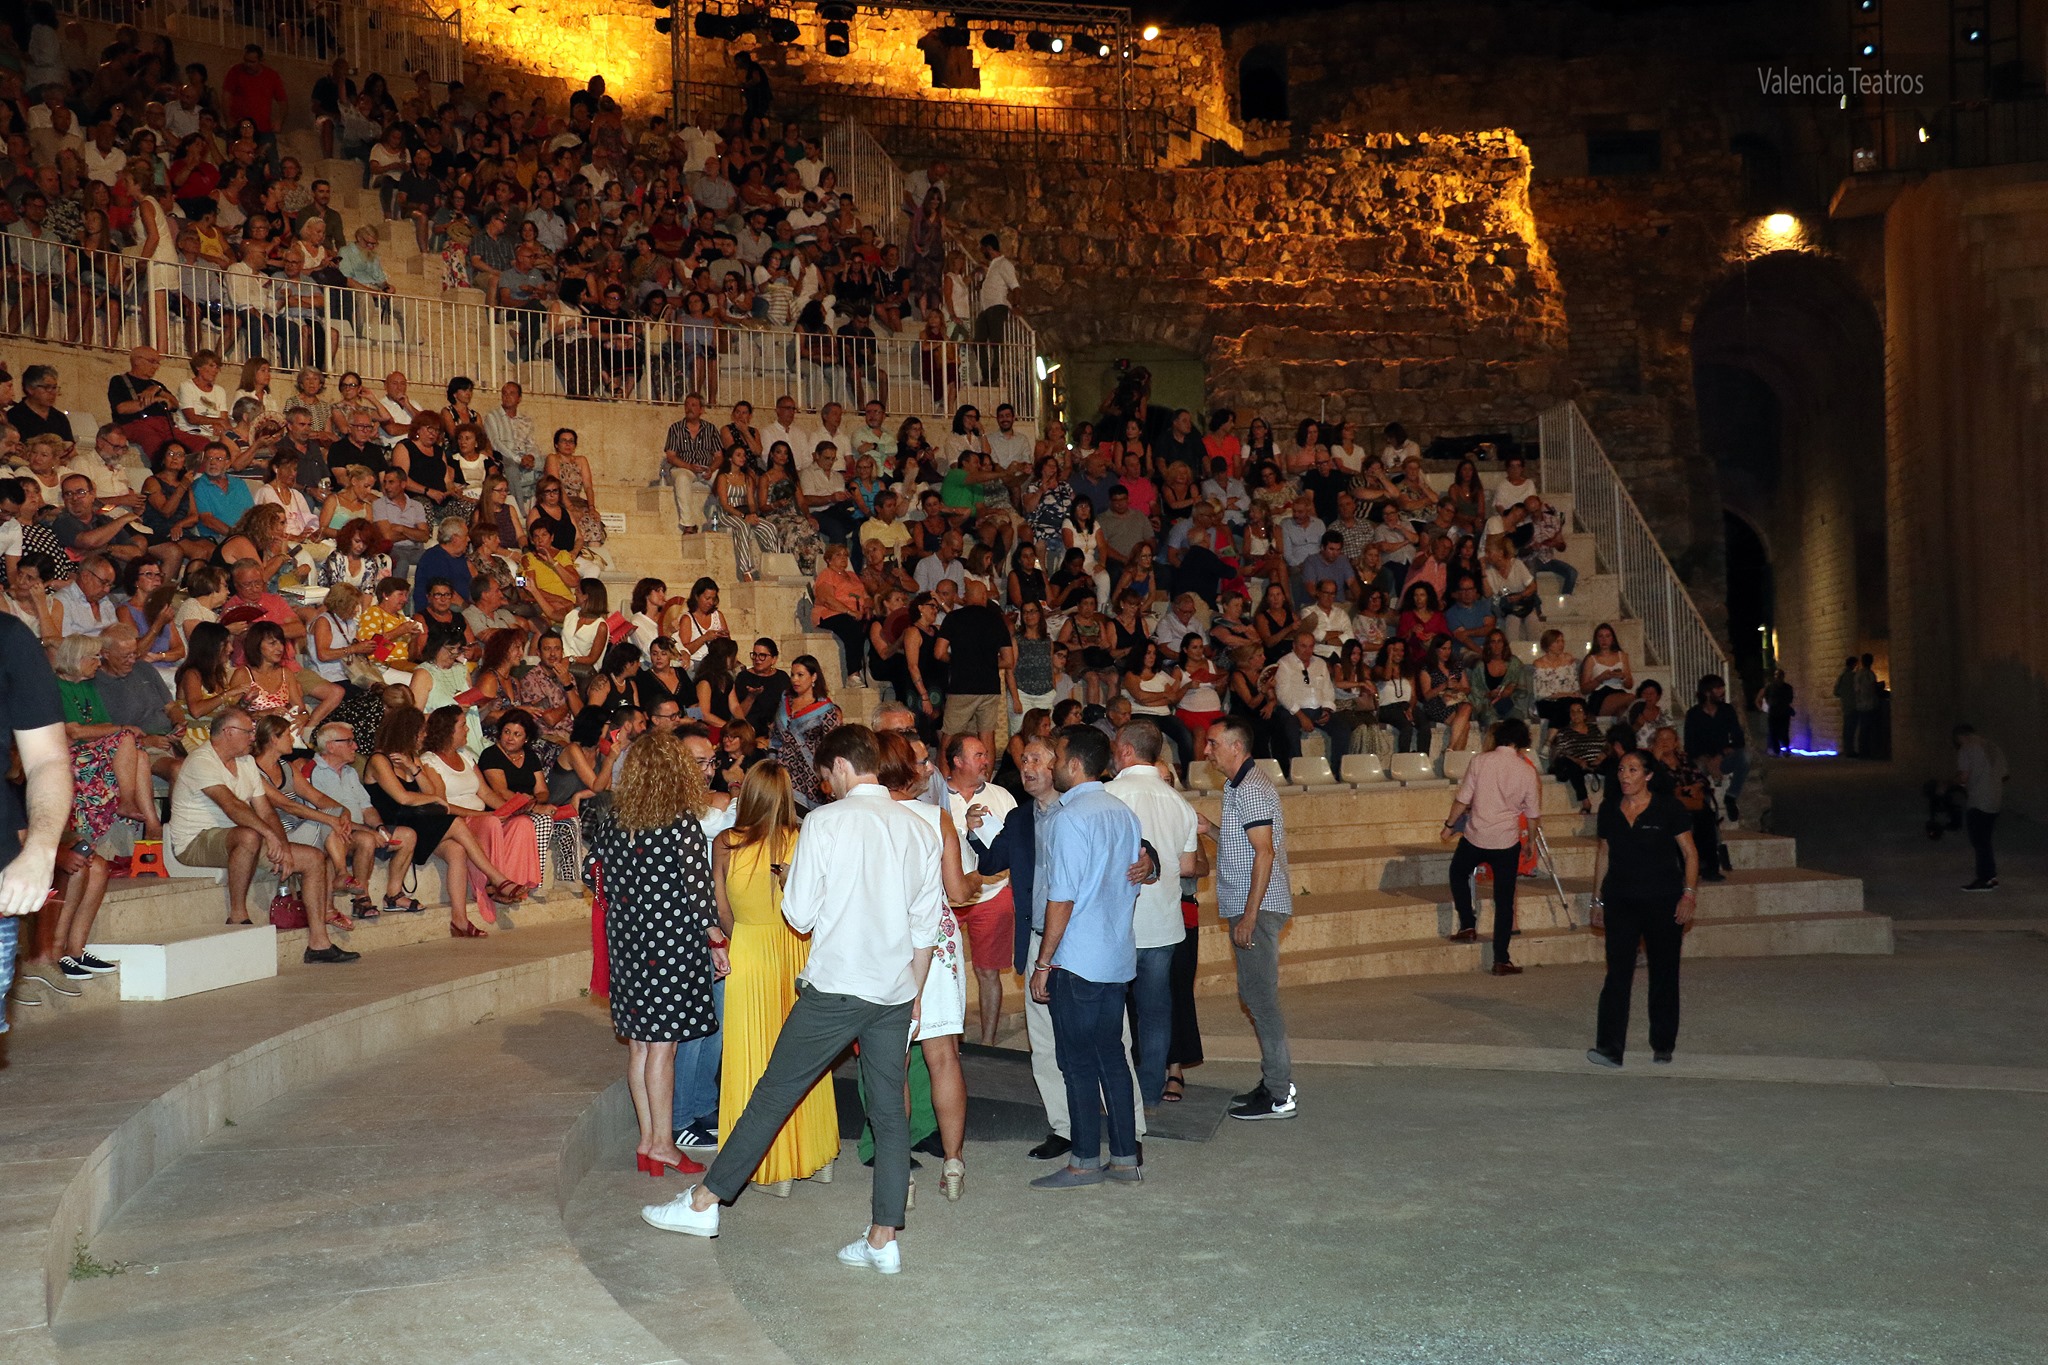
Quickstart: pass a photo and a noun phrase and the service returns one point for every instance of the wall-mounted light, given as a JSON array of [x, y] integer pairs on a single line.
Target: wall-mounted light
[[1045, 42], [1150, 33], [1781, 225], [998, 40], [783, 31], [838, 18]]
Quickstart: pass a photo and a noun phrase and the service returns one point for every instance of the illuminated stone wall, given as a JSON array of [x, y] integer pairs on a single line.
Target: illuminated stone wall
[[1391, 278], [1182, 70]]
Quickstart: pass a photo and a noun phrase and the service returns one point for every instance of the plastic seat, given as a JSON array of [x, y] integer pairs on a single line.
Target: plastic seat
[[1271, 768], [1311, 772], [1456, 762], [1360, 769], [1411, 767], [148, 859], [1203, 777]]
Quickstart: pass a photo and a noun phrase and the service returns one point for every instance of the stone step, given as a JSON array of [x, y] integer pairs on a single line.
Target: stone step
[[36, 1001], [1338, 869], [1771, 936], [188, 961]]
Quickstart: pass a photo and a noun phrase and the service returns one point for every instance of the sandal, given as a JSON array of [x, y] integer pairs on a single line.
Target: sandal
[[1175, 1089], [362, 907], [403, 905], [465, 930], [508, 891], [337, 920]]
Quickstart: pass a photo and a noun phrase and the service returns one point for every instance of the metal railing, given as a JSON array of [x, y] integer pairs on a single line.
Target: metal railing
[[1675, 634], [1957, 137], [56, 293], [391, 36], [868, 173]]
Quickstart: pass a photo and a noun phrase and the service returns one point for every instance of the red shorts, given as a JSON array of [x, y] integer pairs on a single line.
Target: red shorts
[[991, 927]]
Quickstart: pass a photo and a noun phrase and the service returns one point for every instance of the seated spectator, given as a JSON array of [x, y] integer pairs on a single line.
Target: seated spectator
[[1469, 617], [1307, 698], [1329, 620], [136, 698], [1716, 741], [221, 817], [85, 604]]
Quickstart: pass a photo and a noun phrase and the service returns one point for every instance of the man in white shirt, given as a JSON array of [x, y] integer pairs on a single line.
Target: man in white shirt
[[221, 817], [1302, 686], [1515, 486], [102, 157], [802, 438], [1981, 773], [399, 410], [992, 305], [1007, 446], [865, 885], [1169, 824], [1183, 620], [1329, 621], [511, 433], [944, 564]]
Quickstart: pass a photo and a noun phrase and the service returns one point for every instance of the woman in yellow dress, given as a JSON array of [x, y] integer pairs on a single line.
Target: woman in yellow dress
[[749, 862]]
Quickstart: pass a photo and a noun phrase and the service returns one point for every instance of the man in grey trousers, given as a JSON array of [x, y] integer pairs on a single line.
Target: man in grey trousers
[[865, 885], [1255, 897]]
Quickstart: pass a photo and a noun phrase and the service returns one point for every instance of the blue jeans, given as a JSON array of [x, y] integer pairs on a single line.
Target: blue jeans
[[1152, 1028], [1088, 1040], [10, 931], [1735, 767], [697, 1069], [1566, 573]]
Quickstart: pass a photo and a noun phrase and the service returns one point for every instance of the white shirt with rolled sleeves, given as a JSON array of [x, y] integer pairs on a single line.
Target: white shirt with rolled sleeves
[[998, 282], [803, 441], [865, 886], [1500, 785], [999, 804], [1170, 826]]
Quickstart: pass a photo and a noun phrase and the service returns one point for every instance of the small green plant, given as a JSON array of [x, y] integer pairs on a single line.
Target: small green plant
[[86, 1266]]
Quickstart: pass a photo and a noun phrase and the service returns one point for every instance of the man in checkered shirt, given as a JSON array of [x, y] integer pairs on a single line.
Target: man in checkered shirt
[[1255, 897]]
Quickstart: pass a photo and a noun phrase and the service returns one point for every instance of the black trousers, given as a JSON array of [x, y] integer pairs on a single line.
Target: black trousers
[[1648, 921], [1570, 773], [1505, 863], [1185, 1048], [1979, 823]]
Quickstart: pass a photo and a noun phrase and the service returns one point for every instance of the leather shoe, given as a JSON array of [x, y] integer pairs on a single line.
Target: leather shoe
[[1054, 1146], [1506, 969], [1465, 936]]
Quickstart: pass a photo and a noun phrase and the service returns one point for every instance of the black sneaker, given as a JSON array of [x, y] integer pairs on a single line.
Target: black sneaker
[[696, 1135], [98, 966], [73, 969], [1263, 1104], [1051, 1149], [331, 953], [1734, 813], [1988, 885], [1664, 1056]]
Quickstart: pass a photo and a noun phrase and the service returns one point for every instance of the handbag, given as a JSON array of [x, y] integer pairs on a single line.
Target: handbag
[[288, 907]]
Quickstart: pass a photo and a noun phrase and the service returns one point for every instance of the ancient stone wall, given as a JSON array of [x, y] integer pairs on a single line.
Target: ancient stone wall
[[1182, 70], [1395, 278]]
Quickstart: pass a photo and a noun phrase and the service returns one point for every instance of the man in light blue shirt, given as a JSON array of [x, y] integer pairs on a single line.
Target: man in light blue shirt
[[1088, 956]]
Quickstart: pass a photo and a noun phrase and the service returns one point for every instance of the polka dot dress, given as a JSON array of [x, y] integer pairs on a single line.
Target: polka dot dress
[[659, 907]]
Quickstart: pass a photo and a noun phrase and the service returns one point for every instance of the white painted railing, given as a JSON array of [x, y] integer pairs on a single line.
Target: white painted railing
[[871, 175], [1674, 632], [389, 36], [110, 301]]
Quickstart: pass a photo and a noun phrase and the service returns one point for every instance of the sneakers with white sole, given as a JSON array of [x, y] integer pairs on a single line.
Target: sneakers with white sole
[[888, 1258], [1264, 1104], [954, 1181], [677, 1216]]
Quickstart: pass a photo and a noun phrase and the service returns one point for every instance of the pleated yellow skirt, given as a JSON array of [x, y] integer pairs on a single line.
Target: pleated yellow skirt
[[758, 996]]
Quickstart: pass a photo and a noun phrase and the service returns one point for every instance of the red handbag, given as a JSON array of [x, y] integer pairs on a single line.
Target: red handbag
[[287, 907]]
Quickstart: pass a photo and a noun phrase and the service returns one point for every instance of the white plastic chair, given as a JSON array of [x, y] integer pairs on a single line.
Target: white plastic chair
[[1271, 768], [1456, 762], [1311, 772], [1361, 769], [1412, 768]]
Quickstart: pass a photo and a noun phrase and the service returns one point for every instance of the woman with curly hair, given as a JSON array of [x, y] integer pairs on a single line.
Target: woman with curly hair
[[648, 853]]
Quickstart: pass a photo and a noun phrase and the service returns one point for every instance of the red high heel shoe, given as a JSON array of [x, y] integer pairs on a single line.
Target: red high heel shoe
[[656, 1167]]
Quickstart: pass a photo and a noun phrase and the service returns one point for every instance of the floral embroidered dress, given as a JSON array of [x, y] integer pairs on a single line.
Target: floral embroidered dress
[[942, 1009], [798, 733], [96, 791]]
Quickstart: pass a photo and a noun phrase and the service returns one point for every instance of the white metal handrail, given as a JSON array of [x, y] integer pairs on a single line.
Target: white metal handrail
[[1675, 632], [58, 293], [391, 36], [866, 169]]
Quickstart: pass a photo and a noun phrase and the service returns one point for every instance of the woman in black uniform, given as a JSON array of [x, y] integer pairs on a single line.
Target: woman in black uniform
[[1645, 871]]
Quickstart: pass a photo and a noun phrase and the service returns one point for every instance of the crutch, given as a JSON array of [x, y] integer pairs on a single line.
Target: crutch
[[1549, 864]]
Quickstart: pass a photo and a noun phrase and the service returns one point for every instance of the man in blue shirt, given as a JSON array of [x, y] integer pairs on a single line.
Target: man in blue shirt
[[1088, 956], [1469, 617], [219, 499]]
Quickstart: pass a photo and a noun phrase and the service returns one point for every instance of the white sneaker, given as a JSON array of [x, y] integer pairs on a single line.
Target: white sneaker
[[887, 1259], [677, 1216]]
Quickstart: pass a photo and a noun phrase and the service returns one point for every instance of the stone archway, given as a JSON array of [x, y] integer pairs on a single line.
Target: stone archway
[[1788, 373]]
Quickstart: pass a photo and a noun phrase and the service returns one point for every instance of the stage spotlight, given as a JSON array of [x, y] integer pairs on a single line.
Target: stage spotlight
[[1044, 42], [782, 30], [838, 38], [953, 35], [998, 40], [1150, 33], [664, 25], [1091, 47]]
